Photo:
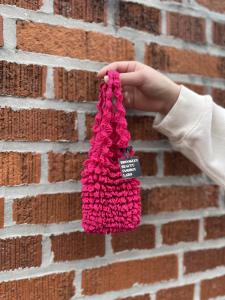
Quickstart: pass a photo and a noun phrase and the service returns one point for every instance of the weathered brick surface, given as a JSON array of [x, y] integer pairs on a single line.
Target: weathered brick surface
[[47, 208], [49, 287], [176, 164], [188, 28], [77, 245], [215, 5], [73, 42], [171, 59], [77, 43], [1, 32], [22, 80], [218, 96], [1, 212], [65, 166], [34, 4], [150, 270], [215, 227], [212, 288], [140, 128], [141, 238], [75, 85], [88, 10], [219, 33], [185, 292], [180, 231], [202, 260], [19, 168], [20, 252], [37, 124], [139, 17], [176, 198], [139, 297], [148, 163], [89, 122]]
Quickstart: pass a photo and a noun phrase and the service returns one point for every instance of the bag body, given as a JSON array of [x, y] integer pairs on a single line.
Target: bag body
[[110, 203]]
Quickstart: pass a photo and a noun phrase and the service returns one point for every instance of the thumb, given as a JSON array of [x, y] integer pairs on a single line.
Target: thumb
[[130, 78]]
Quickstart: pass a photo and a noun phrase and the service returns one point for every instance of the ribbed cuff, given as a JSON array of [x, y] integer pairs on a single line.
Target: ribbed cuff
[[183, 116]]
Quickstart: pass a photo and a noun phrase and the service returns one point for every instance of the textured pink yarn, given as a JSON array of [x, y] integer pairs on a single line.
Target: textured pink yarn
[[110, 203]]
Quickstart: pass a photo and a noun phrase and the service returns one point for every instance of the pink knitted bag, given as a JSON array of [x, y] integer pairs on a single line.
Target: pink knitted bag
[[110, 203]]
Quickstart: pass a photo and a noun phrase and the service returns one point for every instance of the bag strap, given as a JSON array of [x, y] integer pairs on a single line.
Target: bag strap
[[110, 132], [119, 118]]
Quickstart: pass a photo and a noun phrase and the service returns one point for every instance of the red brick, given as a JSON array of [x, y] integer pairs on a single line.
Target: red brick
[[180, 231], [140, 127], [89, 122], [34, 5], [216, 5], [22, 80], [88, 10], [215, 227], [37, 124], [174, 60], [49, 287], [139, 297], [185, 292], [75, 43], [1, 212], [19, 168], [177, 198], [218, 96], [211, 288], [77, 245], [219, 34], [145, 271], [47, 208], [20, 252], [75, 85], [1, 32], [176, 164], [188, 28], [148, 163], [141, 238], [139, 17], [65, 166], [202, 260]]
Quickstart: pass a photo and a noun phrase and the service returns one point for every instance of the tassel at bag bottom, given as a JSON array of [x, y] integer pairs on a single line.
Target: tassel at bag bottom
[[110, 203]]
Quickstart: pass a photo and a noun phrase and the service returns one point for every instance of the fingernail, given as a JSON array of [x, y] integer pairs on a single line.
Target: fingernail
[[106, 78]]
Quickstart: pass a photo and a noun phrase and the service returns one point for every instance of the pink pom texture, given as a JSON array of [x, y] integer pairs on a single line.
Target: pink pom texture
[[110, 203]]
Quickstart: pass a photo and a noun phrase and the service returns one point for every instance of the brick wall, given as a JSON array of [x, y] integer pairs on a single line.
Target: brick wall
[[50, 51]]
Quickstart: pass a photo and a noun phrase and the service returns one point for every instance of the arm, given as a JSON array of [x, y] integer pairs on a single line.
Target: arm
[[195, 126]]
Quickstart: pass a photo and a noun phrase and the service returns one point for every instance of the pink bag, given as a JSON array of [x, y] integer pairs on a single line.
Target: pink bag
[[110, 203]]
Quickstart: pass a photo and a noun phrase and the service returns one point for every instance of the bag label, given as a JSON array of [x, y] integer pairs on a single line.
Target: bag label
[[130, 167]]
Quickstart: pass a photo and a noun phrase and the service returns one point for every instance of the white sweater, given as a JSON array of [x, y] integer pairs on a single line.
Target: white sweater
[[195, 126]]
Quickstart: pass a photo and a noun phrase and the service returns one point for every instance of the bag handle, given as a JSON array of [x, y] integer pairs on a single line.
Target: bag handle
[[110, 132], [123, 134]]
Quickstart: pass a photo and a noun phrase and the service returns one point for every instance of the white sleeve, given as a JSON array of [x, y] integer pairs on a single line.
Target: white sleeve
[[195, 126]]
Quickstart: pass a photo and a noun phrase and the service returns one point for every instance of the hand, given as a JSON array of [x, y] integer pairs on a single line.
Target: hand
[[143, 87]]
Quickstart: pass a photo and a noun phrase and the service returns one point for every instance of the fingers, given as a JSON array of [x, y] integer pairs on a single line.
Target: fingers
[[132, 78], [120, 66], [128, 96], [127, 100]]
